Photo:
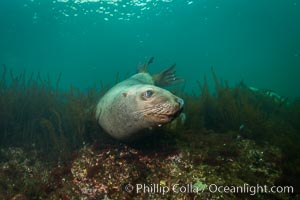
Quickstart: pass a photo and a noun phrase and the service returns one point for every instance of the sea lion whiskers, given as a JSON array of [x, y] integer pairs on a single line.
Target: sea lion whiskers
[[146, 111], [136, 104], [156, 110], [141, 113]]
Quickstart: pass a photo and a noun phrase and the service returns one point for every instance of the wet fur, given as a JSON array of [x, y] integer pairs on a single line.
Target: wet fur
[[124, 113]]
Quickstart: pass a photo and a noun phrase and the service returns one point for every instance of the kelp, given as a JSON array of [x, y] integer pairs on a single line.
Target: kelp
[[238, 112], [231, 108], [35, 113]]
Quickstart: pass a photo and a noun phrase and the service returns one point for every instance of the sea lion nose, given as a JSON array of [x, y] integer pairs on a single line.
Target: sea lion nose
[[180, 101]]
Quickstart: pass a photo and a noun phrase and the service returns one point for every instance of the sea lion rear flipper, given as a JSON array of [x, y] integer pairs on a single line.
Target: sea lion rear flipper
[[167, 77], [143, 68]]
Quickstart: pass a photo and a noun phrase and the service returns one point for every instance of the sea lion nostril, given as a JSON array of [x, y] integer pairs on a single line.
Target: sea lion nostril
[[138, 104]]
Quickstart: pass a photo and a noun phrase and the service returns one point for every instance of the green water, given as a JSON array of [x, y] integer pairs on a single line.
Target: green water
[[51, 145], [92, 40]]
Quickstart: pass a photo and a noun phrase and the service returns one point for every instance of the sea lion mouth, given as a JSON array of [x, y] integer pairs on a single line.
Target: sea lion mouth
[[170, 117], [167, 118], [162, 113], [165, 115]]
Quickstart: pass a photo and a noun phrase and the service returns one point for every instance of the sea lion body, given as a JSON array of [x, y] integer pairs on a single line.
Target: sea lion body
[[136, 104]]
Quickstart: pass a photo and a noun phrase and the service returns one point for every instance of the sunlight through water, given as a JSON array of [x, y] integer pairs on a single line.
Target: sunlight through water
[[111, 9]]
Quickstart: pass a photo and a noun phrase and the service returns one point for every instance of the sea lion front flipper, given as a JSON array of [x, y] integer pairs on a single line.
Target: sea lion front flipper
[[167, 77], [143, 68]]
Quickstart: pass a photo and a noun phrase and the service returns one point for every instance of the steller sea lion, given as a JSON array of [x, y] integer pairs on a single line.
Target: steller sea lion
[[136, 104]]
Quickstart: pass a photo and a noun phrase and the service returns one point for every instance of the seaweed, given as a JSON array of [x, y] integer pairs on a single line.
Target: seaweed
[[34, 112], [231, 135], [240, 113]]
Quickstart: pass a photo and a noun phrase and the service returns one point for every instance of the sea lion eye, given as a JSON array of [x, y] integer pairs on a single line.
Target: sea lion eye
[[148, 93]]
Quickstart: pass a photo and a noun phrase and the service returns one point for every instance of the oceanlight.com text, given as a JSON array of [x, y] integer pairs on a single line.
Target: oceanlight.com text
[[250, 189], [212, 188]]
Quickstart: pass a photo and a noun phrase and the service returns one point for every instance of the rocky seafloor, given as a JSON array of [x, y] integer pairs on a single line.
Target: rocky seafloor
[[162, 171], [234, 139]]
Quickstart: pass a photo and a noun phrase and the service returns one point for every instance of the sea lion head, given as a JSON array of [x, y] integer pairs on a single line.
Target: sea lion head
[[156, 106]]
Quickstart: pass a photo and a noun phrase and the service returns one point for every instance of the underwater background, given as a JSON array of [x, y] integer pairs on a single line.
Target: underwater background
[[240, 61], [92, 40]]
